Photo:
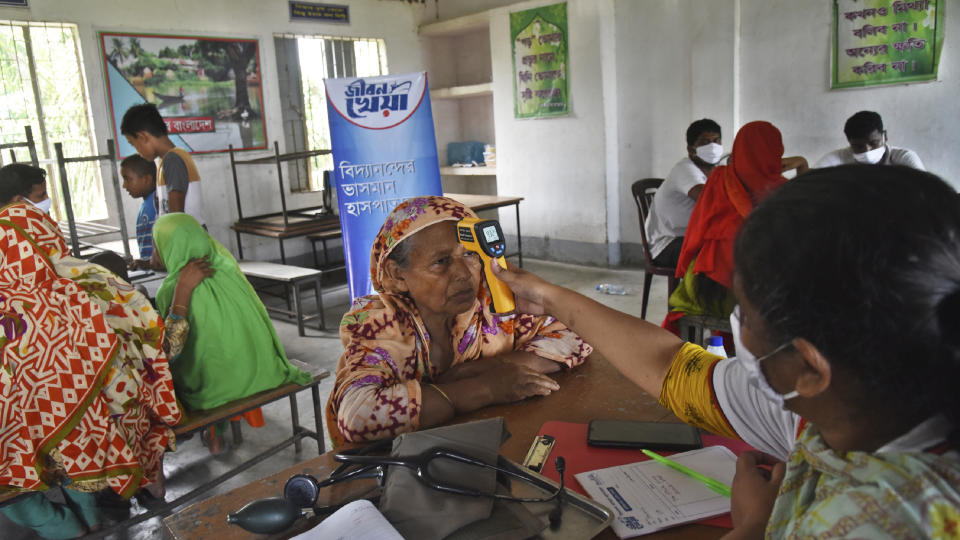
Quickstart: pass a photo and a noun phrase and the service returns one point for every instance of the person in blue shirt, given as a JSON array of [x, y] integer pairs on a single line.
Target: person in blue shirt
[[140, 181]]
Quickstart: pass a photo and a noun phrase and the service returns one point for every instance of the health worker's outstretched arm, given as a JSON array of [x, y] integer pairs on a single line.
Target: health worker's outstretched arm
[[640, 350]]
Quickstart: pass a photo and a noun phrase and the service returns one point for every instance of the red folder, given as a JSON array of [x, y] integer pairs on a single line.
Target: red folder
[[571, 443]]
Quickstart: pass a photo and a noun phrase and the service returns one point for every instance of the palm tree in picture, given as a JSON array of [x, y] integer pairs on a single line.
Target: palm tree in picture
[[118, 53]]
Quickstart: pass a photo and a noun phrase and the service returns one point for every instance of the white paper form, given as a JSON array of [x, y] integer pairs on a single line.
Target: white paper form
[[359, 520], [649, 496]]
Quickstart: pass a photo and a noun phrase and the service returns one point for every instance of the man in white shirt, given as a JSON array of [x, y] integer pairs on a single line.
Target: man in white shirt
[[673, 203], [868, 144]]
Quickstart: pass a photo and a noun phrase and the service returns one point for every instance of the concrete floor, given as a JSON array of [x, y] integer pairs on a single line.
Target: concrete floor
[[192, 465]]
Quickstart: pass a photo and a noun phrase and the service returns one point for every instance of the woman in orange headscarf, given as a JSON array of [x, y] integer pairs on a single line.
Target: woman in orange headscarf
[[731, 193]]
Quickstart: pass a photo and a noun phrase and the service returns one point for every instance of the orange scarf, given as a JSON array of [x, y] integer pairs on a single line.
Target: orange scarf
[[730, 194]]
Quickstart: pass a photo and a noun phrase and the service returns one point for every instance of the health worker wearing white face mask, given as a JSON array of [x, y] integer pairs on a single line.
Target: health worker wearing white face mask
[[672, 205], [868, 145], [20, 182], [846, 385]]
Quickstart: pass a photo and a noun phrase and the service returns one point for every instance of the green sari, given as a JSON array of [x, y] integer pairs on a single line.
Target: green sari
[[232, 350]]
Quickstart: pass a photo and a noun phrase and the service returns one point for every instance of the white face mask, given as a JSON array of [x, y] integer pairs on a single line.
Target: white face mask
[[43, 206], [710, 152], [871, 157], [752, 363]]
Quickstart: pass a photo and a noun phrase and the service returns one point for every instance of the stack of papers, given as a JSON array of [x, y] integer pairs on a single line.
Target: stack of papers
[[648, 496]]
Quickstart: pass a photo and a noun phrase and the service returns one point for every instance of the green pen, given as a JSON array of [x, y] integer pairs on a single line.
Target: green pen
[[711, 483]]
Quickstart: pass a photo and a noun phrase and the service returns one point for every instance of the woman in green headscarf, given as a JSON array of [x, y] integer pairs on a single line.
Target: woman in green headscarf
[[229, 349]]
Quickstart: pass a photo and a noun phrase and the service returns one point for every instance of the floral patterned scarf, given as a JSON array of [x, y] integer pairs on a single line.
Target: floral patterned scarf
[[377, 391], [135, 388], [866, 495]]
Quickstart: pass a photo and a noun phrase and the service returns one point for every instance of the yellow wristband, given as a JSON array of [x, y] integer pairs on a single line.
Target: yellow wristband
[[175, 306], [445, 396]]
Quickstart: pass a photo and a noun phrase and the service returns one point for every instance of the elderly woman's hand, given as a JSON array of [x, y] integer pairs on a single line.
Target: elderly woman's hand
[[466, 370], [477, 368], [513, 382]]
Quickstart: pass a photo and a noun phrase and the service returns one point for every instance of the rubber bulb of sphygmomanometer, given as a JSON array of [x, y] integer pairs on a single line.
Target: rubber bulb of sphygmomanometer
[[266, 516]]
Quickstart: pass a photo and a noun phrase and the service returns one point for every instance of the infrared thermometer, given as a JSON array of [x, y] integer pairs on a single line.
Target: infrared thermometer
[[484, 237]]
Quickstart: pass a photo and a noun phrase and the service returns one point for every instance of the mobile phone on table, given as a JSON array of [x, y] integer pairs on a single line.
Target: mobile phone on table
[[635, 434]]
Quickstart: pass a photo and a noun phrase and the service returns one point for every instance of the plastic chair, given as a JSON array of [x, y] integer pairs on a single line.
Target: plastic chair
[[643, 192]]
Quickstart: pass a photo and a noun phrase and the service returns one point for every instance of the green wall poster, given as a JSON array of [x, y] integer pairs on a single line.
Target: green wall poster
[[540, 62], [886, 41]]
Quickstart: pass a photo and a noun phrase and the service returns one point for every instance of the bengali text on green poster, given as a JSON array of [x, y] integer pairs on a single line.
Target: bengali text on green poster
[[886, 41], [540, 62]]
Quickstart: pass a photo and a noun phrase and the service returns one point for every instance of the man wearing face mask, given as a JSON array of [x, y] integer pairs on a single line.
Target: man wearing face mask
[[868, 145], [20, 182], [673, 203]]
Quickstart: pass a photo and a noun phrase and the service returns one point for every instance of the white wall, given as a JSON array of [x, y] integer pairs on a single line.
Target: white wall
[[683, 60], [670, 63], [395, 22], [439, 10], [557, 164], [675, 64], [785, 79]]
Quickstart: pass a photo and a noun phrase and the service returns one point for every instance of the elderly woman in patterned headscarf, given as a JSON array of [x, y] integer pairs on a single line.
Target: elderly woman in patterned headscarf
[[427, 346]]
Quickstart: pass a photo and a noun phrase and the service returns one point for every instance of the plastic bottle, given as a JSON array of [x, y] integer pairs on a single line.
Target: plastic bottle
[[612, 288], [715, 346]]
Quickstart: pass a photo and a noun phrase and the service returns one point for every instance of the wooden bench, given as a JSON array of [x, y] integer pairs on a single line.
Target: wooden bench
[[323, 237], [194, 421], [292, 278]]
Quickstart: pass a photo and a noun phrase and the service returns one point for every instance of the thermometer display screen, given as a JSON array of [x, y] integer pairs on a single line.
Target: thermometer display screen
[[490, 234]]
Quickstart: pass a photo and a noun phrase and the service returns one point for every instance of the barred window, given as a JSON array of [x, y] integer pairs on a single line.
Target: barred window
[[302, 64], [42, 85]]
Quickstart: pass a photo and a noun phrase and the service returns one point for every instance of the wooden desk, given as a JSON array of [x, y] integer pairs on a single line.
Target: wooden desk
[[490, 202], [284, 225], [294, 223], [594, 390]]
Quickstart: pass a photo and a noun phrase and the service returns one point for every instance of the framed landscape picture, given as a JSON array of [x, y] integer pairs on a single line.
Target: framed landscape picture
[[208, 89]]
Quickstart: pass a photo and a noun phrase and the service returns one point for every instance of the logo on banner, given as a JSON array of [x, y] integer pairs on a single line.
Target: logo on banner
[[380, 104]]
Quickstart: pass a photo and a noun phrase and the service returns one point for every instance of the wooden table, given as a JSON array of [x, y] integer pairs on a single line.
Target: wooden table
[[295, 223], [283, 226], [594, 390], [490, 202]]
